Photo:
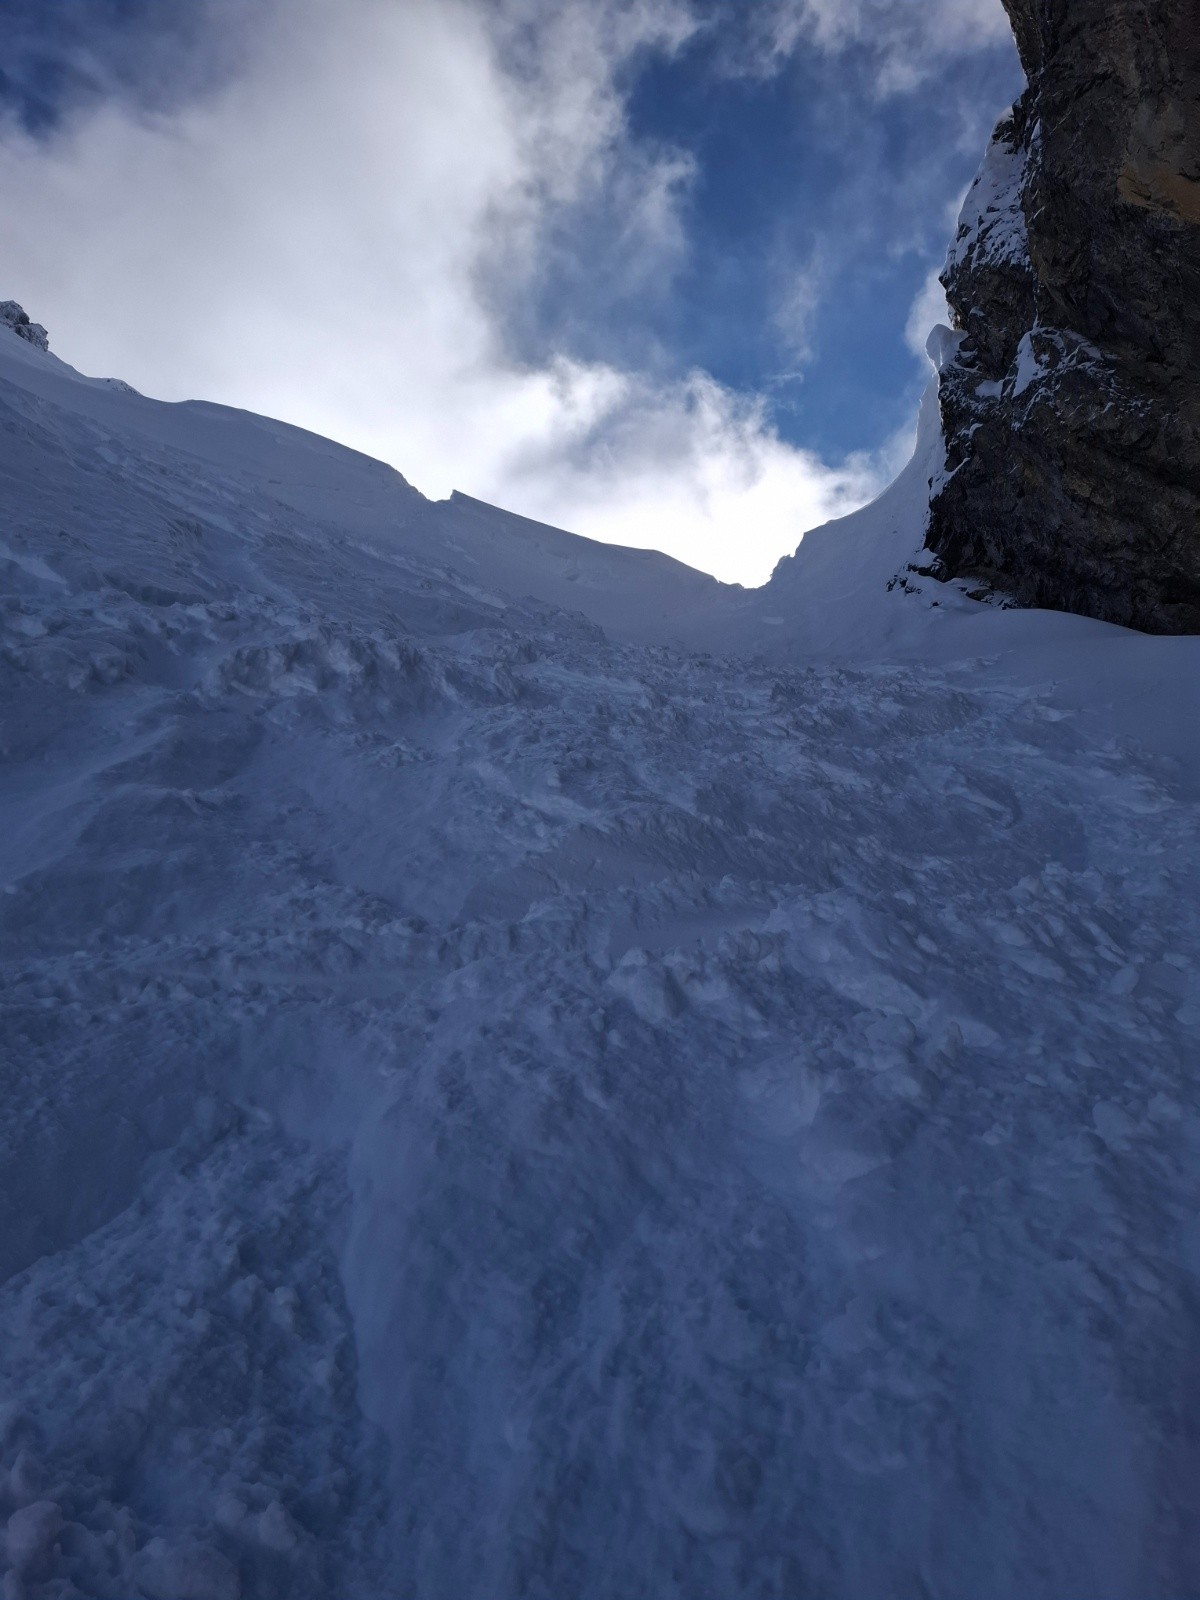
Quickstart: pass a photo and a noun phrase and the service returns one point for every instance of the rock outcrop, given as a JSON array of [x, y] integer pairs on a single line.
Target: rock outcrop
[[1071, 397], [15, 317]]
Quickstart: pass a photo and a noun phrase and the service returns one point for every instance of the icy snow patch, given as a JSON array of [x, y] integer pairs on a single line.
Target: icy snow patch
[[991, 225], [1027, 366]]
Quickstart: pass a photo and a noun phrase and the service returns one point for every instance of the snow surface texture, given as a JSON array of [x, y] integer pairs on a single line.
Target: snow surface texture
[[529, 1075]]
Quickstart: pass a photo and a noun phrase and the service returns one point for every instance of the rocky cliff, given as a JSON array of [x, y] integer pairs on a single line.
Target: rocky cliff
[[1071, 398]]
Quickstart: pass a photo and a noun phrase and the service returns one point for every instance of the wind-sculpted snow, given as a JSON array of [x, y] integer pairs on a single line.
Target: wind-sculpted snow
[[499, 1111]]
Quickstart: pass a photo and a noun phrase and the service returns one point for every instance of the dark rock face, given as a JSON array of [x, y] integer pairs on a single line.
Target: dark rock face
[[13, 316], [1071, 399]]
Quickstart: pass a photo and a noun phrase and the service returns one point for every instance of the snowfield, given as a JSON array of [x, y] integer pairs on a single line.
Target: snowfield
[[529, 1075]]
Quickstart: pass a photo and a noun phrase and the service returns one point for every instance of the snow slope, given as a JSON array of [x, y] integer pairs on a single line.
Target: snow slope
[[244, 461], [527, 1077]]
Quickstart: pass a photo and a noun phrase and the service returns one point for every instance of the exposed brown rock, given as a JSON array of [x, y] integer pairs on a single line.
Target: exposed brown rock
[[1071, 407]]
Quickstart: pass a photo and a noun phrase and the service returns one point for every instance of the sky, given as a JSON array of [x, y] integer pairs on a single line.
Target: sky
[[656, 271]]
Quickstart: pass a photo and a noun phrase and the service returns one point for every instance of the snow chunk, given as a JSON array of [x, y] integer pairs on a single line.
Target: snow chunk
[[276, 1530], [943, 345], [31, 1534], [187, 1571], [649, 988]]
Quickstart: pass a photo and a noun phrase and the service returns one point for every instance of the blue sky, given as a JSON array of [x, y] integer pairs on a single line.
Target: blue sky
[[644, 268]]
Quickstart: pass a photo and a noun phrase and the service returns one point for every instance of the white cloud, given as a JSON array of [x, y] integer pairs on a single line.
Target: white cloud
[[911, 40], [337, 235], [643, 461], [929, 309], [799, 304]]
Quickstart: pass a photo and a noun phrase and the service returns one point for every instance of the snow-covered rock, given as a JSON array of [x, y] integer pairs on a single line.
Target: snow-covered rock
[[14, 316]]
